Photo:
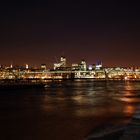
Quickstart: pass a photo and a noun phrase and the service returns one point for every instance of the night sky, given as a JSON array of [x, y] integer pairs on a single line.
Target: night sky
[[40, 32]]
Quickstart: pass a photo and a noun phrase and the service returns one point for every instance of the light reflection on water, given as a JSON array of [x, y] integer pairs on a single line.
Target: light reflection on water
[[69, 111]]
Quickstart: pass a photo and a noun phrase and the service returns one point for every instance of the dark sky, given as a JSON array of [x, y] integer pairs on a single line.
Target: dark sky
[[40, 32]]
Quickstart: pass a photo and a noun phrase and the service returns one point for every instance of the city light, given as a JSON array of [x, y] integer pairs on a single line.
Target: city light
[[76, 70]]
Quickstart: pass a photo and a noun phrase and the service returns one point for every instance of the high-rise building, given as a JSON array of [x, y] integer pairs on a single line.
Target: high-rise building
[[98, 65], [83, 65], [61, 64], [63, 61]]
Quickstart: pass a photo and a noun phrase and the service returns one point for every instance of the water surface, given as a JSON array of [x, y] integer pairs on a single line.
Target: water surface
[[69, 110]]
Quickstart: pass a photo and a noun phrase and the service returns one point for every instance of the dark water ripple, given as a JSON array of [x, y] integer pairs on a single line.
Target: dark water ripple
[[71, 111]]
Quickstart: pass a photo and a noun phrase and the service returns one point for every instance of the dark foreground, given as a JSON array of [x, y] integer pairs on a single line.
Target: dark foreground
[[73, 110]]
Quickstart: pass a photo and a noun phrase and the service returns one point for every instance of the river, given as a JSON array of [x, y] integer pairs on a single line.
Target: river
[[67, 110]]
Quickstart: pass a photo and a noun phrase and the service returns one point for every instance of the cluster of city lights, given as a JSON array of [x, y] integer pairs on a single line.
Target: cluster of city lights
[[62, 71]]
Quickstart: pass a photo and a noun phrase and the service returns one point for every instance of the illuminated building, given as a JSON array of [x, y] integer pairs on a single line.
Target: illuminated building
[[61, 64], [11, 66], [90, 67], [75, 67], [27, 66], [43, 67], [63, 61], [83, 65], [98, 65], [77, 70]]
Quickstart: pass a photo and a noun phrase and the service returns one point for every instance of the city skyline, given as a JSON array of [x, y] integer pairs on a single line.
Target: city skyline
[[38, 32], [63, 62]]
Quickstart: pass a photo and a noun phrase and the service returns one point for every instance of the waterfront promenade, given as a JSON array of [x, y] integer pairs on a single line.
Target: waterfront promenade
[[100, 74]]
